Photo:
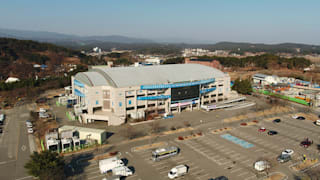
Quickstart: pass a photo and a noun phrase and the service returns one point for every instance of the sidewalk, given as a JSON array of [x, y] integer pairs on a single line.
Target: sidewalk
[[32, 144]]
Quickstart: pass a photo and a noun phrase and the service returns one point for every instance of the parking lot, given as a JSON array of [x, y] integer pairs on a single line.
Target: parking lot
[[231, 153]]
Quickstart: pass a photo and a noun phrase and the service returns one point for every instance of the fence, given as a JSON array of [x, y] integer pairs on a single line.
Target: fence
[[300, 101]]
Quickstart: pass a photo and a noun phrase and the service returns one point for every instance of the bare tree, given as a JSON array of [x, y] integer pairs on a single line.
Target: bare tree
[[313, 173], [132, 133], [155, 127]]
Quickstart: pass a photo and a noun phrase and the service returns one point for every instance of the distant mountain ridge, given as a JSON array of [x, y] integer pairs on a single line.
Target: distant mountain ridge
[[152, 46], [53, 37]]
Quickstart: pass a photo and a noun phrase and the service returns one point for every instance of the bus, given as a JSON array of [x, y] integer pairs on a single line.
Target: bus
[[163, 153]]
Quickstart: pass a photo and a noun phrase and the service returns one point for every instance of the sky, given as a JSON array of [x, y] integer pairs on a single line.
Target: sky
[[209, 21]]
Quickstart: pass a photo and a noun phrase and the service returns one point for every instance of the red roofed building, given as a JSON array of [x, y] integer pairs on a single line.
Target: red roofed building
[[207, 62]]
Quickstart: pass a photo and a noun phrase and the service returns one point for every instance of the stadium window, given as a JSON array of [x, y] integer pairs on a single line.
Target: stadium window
[[97, 92], [120, 104], [129, 102], [139, 107], [97, 102], [151, 105], [129, 108]]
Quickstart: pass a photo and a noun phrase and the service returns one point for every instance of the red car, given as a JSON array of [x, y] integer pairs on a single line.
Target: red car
[[262, 129], [306, 143]]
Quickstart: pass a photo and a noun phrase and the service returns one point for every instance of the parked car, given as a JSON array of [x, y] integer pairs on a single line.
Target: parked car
[[276, 120], [29, 125], [271, 133], [0, 130], [317, 122], [262, 129], [30, 130], [306, 143], [261, 165], [295, 116], [284, 158], [301, 118], [219, 178], [288, 151], [2, 118]]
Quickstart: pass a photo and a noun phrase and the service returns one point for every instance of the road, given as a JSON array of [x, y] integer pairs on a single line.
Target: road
[[15, 144]]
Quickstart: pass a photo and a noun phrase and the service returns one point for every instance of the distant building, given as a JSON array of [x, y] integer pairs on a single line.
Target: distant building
[[194, 52], [154, 61], [12, 80], [207, 62], [96, 50], [264, 79]]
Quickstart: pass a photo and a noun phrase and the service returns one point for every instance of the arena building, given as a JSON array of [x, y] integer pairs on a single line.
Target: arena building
[[119, 93]]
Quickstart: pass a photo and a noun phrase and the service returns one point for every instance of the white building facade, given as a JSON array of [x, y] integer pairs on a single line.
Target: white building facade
[[118, 93], [264, 79]]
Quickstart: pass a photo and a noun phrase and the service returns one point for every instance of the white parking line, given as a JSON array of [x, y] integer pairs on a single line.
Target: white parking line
[[251, 177], [235, 170], [202, 175], [159, 164], [93, 177], [182, 162], [89, 168], [93, 172], [132, 176], [196, 172], [241, 174], [27, 177]]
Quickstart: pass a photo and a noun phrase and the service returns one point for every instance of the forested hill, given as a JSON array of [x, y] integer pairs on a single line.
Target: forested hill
[[18, 57]]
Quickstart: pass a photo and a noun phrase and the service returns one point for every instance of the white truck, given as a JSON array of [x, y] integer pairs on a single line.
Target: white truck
[[122, 171], [178, 171], [106, 165]]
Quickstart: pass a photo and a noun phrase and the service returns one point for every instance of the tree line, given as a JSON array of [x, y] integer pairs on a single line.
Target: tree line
[[266, 61]]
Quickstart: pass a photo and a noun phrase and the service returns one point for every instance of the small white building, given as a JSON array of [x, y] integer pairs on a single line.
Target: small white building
[[53, 144], [154, 61], [12, 80], [98, 135], [264, 79]]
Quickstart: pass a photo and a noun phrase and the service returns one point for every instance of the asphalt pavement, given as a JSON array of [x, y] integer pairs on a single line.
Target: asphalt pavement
[[15, 144]]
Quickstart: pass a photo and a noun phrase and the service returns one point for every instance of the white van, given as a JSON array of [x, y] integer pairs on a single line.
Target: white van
[[2, 117], [178, 171]]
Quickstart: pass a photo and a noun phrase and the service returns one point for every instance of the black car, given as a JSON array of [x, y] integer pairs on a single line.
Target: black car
[[0, 130], [220, 178], [301, 118], [272, 133], [276, 120]]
